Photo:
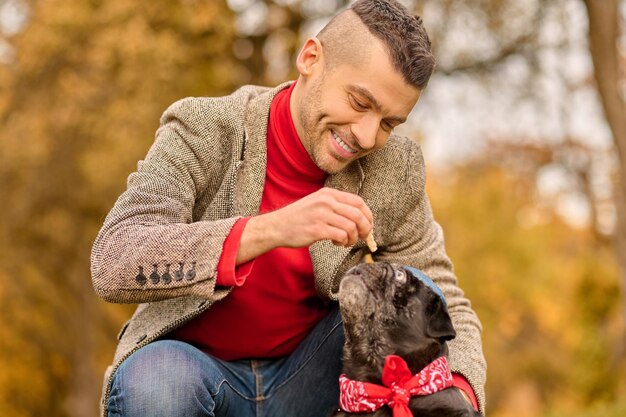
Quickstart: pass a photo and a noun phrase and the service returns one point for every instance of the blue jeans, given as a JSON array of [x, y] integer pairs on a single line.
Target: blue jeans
[[170, 378]]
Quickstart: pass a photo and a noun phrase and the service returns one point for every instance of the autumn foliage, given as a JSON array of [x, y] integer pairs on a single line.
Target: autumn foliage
[[82, 87]]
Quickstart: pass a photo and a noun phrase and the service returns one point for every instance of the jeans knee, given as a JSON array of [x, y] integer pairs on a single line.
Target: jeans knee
[[165, 378]]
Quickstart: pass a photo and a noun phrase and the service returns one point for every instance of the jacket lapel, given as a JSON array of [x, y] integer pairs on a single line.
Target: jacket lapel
[[250, 175], [327, 257]]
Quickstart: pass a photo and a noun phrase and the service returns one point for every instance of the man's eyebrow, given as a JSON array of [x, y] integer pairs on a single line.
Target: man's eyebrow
[[370, 97]]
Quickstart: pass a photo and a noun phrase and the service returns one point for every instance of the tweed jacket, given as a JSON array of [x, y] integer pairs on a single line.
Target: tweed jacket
[[160, 245]]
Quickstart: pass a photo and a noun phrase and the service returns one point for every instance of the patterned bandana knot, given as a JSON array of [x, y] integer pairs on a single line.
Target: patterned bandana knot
[[400, 395], [397, 389]]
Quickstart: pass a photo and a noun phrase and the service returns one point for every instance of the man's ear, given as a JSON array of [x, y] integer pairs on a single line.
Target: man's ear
[[309, 56], [439, 323]]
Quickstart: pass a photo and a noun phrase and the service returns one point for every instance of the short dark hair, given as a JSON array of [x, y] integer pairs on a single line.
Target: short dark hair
[[404, 36]]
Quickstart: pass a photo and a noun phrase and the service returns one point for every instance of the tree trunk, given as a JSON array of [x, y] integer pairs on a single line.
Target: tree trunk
[[603, 36]]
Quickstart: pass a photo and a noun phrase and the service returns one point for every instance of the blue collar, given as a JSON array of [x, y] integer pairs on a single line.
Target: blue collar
[[427, 281]]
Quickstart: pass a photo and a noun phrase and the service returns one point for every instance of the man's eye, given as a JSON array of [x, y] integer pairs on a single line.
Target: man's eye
[[357, 104], [387, 127]]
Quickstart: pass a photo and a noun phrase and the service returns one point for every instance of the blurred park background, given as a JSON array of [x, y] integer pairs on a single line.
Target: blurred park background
[[523, 126]]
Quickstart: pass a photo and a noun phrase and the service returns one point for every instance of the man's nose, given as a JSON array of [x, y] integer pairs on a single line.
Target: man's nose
[[366, 131]]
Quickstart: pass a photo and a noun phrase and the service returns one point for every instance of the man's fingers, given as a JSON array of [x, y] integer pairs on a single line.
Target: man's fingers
[[339, 237], [356, 216], [349, 228], [327, 214], [352, 200]]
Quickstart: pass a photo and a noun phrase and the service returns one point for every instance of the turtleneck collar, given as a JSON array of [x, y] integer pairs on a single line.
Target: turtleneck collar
[[286, 156]]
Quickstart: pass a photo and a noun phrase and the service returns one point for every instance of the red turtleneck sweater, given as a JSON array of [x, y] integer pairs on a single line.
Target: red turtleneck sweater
[[278, 305]]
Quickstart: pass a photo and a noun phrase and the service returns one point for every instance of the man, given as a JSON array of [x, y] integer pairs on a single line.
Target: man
[[236, 228]]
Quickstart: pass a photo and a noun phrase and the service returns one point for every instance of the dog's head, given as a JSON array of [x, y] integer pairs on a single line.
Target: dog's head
[[388, 309]]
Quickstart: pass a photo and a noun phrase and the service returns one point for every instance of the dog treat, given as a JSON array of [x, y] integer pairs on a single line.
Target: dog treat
[[368, 258], [371, 243]]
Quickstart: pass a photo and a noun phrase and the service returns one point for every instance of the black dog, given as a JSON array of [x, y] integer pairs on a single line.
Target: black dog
[[387, 310]]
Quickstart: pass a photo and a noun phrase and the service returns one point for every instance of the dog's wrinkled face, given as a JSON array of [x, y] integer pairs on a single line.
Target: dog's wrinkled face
[[386, 310]]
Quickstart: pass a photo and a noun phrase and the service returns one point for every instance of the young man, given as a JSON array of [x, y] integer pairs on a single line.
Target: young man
[[237, 227]]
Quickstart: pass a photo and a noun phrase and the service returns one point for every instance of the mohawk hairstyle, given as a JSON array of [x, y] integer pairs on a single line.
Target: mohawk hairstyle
[[404, 36]]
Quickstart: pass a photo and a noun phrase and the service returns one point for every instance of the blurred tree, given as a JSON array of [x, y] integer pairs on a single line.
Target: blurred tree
[[82, 88], [270, 34], [86, 81], [498, 42], [546, 293], [606, 31]]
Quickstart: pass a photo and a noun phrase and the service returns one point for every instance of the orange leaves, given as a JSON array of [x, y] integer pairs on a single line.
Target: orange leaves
[[547, 293]]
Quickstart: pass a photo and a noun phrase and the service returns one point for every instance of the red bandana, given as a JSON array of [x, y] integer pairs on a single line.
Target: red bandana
[[399, 387]]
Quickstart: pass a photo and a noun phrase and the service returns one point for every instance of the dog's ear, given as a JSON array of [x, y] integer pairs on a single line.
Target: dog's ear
[[439, 323]]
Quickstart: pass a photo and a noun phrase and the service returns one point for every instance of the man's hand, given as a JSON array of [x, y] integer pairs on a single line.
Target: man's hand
[[326, 214]]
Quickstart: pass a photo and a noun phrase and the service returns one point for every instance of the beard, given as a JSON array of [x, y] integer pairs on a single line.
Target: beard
[[312, 118]]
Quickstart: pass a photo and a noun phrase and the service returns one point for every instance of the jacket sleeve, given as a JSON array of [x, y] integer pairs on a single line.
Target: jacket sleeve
[[154, 243], [418, 241]]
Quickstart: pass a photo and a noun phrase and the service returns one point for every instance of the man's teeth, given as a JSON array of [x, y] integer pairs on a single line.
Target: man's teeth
[[343, 144]]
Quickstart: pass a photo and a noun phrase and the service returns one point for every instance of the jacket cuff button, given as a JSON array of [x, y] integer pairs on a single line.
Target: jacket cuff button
[[166, 278], [141, 278], [179, 274], [191, 274], [154, 276]]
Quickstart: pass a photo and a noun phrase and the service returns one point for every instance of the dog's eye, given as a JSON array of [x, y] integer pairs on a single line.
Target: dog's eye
[[400, 276]]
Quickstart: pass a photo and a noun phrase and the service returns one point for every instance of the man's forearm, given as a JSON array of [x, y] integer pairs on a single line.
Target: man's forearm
[[259, 236]]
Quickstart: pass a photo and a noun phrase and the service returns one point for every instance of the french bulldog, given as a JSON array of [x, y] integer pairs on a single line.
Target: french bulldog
[[391, 311]]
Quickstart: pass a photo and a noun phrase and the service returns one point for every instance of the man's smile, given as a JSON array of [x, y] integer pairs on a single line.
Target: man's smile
[[342, 148]]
